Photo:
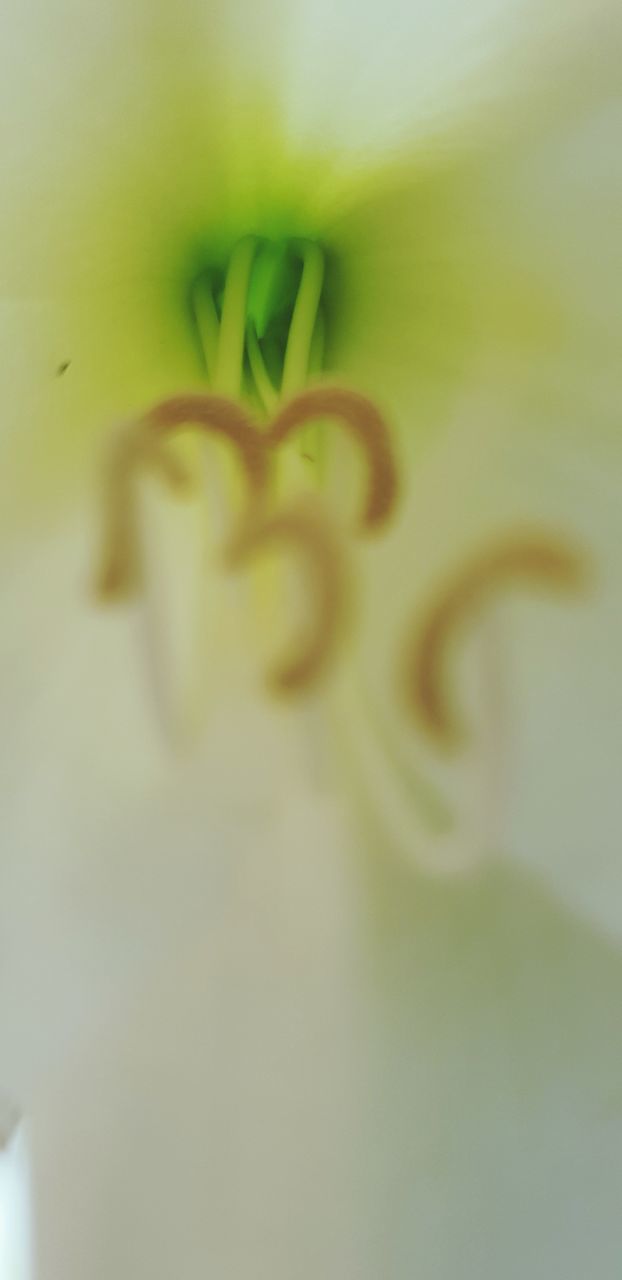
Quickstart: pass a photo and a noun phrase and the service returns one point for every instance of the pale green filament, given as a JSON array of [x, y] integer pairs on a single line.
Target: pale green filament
[[299, 342], [228, 377], [313, 441], [232, 329], [316, 356], [266, 390]]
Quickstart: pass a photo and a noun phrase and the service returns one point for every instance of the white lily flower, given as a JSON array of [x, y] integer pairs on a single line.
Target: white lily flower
[[324, 984]]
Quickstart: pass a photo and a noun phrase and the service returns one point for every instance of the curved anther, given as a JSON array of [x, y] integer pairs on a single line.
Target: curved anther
[[119, 571], [143, 443], [361, 417], [217, 415], [533, 560], [305, 529]]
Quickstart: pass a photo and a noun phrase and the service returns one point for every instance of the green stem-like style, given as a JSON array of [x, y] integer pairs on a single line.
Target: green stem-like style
[[229, 365], [300, 338]]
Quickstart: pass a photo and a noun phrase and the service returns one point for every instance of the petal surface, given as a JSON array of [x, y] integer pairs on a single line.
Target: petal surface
[[497, 348], [346, 1072]]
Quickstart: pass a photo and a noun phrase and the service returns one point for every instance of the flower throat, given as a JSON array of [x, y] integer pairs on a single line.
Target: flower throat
[[259, 321], [259, 325]]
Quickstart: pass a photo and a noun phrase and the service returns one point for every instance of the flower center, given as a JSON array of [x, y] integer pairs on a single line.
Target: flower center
[[259, 320], [259, 324]]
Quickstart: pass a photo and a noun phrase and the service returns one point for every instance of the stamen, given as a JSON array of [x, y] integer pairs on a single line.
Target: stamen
[[368, 427], [318, 344], [306, 528], [206, 320], [119, 573], [228, 375], [300, 338], [217, 415], [266, 390], [144, 444], [535, 560]]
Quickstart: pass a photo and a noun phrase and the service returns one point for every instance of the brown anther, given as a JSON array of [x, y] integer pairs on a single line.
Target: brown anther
[[535, 560], [144, 444], [365, 422], [307, 530], [217, 415], [119, 573]]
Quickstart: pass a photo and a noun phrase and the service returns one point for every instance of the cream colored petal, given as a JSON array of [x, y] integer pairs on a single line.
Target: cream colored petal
[[440, 809], [113, 200], [565, 706], [370, 79], [292, 1053], [493, 256], [533, 676], [107, 824], [350, 1072], [497, 1107], [493, 334], [101, 195], [73, 370]]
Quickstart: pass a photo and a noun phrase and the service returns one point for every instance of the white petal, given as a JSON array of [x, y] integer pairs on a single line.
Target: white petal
[[566, 706], [439, 809], [492, 326], [540, 762], [497, 1104], [369, 77], [107, 827], [352, 1075]]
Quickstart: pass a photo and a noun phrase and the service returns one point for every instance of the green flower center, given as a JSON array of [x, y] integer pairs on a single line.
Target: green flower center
[[259, 322], [259, 319]]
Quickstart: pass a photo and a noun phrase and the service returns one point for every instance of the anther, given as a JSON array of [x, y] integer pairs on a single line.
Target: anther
[[306, 529], [534, 560], [361, 417], [216, 415], [119, 572], [144, 444]]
